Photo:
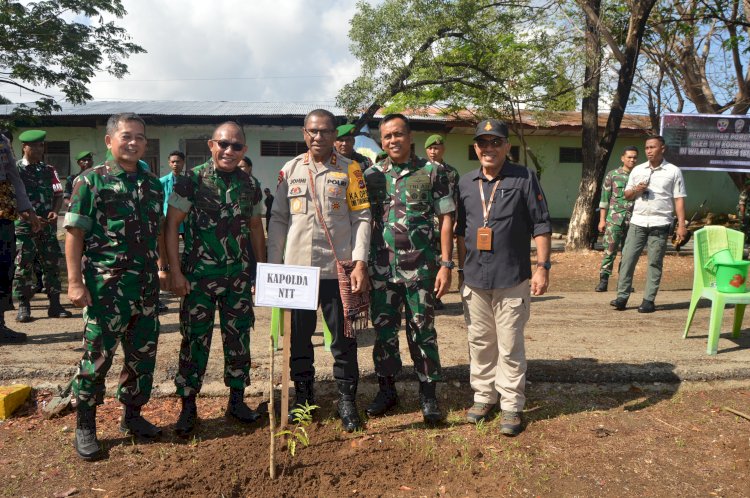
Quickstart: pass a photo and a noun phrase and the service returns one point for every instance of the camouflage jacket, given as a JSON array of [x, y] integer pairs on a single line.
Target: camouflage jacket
[[121, 216], [364, 161], [405, 200], [217, 227], [613, 199], [42, 186], [744, 201]]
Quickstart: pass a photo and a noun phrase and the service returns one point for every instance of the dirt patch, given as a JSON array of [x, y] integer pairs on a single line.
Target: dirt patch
[[599, 440]]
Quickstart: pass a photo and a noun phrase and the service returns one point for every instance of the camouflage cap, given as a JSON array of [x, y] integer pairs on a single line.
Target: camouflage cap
[[32, 136], [433, 140], [491, 127], [345, 130], [83, 154]]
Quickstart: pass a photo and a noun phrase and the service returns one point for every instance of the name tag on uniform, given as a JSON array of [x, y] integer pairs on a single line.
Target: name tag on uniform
[[484, 238]]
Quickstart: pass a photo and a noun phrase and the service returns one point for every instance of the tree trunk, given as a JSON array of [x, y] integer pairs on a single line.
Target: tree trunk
[[579, 229], [596, 152]]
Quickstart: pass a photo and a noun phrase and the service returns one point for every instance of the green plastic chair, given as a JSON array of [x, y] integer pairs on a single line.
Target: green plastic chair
[[704, 286], [277, 328]]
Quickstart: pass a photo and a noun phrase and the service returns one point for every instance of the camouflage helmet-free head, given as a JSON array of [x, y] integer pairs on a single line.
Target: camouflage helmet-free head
[[345, 130], [493, 127], [434, 140], [32, 136]]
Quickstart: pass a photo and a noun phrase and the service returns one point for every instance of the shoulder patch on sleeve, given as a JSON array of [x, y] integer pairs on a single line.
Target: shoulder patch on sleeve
[[356, 192]]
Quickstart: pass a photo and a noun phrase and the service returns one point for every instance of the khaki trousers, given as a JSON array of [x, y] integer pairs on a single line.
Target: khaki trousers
[[496, 319]]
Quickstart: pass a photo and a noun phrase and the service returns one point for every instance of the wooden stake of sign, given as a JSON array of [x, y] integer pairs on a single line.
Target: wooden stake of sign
[[285, 365], [272, 414]]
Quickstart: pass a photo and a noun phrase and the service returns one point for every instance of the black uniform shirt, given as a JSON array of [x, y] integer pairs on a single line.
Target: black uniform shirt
[[518, 212]]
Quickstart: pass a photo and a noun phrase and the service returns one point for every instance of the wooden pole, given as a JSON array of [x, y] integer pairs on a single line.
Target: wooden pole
[[285, 366], [272, 414]]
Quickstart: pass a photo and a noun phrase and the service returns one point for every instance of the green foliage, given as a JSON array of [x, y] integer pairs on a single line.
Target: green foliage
[[61, 44], [302, 416], [483, 55]]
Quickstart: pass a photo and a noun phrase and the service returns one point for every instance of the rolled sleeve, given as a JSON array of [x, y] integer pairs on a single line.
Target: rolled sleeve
[[75, 220], [81, 210], [361, 231], [179, 202], [537, 206]]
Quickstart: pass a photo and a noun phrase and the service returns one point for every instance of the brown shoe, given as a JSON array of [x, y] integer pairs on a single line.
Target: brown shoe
[[479, 412], [511, 424]]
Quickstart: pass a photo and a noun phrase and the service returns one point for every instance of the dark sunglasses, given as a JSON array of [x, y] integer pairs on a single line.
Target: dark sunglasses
[[223, 144]]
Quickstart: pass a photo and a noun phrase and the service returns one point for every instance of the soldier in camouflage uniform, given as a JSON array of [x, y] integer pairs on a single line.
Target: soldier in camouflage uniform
[[743, 213], [345, 146], [46, 195], [114, 224], [406, 194], [434, 147], [221, 209], [614, 214], [14, 203]]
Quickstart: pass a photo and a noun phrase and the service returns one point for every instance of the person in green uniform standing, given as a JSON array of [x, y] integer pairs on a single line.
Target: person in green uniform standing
[[113, 248], [407, 195], [345, 146], [46, 195], [614, 214], [217, 201]]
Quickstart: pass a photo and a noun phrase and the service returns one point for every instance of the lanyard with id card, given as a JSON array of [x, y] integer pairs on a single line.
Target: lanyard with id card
[[484, 233]]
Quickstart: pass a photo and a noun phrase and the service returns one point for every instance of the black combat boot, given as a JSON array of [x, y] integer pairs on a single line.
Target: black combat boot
[[133, 424], [386, 398], [347, 406], [86, 443], [188, 417], [428, 402], [236, 408], [8, 336], [304, 392], [24, 310], [603, 281], [55, 309]]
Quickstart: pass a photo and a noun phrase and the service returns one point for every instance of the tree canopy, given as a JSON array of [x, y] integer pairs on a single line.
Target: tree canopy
[[486, 56], [61, 44]]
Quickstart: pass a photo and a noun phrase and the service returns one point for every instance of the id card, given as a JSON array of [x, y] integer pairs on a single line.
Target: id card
[[484, 239]]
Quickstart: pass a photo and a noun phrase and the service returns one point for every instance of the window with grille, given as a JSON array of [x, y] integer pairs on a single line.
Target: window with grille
[[571, 155], [280, 148], [196, 152], [58, 155], [151, 157]]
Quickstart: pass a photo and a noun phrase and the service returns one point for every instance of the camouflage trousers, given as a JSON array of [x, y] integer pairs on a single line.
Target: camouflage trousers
[[124, 312], [613, 241], [197, 311], [42, 245], [418, 300]]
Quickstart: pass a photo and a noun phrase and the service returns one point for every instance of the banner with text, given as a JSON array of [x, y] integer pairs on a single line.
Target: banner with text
[[708, 142], [287, 286]]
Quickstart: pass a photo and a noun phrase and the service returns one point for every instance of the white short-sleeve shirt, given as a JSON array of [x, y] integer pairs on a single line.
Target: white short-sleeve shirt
[[655, 207]]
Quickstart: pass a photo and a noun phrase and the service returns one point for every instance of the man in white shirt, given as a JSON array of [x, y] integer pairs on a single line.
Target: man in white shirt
[[655, 186]]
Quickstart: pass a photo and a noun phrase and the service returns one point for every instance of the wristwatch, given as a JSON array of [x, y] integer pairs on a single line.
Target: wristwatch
[[164, 268], [448, 264], [544, 264]]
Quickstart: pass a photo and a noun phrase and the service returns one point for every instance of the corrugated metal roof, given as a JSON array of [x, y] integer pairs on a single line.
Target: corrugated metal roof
[[228, 109], [186, 108]]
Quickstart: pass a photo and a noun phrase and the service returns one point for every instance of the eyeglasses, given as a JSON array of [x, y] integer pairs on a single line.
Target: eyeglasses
[[322, 133], [497, 142], [223, 144]]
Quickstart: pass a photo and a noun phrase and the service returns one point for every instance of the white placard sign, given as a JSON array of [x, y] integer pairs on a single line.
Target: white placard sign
[[287, 286]]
